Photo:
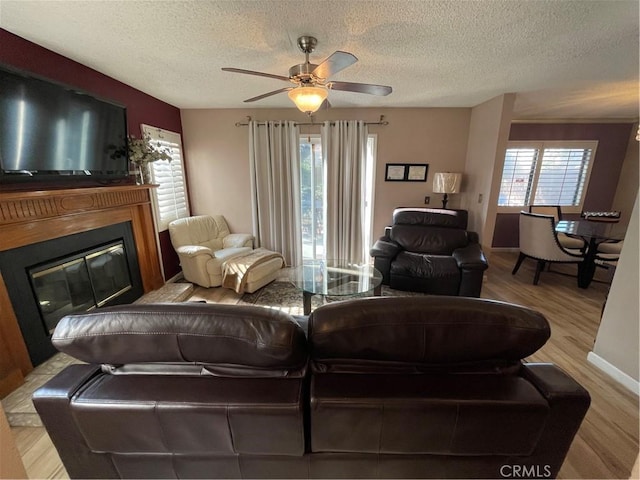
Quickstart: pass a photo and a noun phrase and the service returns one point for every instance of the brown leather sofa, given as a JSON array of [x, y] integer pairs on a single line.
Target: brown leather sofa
[[380, 388], [430, 250]]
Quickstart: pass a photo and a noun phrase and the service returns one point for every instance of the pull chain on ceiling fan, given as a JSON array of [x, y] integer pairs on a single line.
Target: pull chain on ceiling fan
[[311, 81]]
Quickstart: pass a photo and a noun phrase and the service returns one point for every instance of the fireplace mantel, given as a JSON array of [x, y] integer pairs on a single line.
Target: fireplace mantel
[[35, 216]]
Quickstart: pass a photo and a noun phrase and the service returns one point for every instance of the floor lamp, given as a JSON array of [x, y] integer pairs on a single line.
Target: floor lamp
[[446, 183]]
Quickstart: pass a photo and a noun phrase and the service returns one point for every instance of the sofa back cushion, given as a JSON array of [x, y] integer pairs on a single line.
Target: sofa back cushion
[[434, 217], [204, 230], [429, 240], [423, 334], [182, 338]]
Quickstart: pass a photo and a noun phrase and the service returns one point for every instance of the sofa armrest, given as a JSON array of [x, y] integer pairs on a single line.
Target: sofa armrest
[[237, 240], [555, 385], [194, 250], [568, 404], [383, 253], [53, 404], [384, 248], [470, 257]]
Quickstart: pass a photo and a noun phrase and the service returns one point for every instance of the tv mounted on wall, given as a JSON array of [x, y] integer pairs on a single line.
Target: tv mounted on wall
[[51, 132]]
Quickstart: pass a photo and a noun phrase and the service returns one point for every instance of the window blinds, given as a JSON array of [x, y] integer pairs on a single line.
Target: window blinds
[[562, 176], [545, 174], [517, 176], [171, 194]]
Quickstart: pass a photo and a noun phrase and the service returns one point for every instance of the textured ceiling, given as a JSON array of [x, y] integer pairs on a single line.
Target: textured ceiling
[[563, 58]]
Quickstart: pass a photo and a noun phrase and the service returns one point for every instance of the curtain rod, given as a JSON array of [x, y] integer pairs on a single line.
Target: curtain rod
[[382, 121]]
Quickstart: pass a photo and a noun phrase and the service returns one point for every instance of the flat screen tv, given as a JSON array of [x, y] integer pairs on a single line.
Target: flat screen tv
[[51, 132]]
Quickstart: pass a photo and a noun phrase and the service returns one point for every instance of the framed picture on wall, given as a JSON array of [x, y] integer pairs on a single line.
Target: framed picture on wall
[[417, 173], [406, 172], [395, 172]]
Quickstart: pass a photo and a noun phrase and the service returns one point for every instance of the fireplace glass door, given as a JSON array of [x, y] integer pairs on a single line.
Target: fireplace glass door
[[80, 283]]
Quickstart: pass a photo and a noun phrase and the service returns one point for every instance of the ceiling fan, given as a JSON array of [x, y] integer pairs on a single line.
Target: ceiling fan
[[312, 82]]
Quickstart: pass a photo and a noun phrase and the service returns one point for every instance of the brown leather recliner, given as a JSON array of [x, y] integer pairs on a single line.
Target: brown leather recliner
[[430, 250], [434, 388]]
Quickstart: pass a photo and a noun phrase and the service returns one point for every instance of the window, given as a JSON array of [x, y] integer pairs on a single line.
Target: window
[[549, 173], [170, 197]]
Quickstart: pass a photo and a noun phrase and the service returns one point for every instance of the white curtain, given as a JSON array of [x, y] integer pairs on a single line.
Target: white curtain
[[274, 159], [344, 147]]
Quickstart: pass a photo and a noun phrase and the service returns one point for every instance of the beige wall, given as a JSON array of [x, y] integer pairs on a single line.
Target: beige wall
[[617, 340], [628, 181], [488, 135], [217, 155]]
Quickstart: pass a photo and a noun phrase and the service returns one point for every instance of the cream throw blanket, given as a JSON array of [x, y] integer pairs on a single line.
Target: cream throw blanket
[[236, 270]]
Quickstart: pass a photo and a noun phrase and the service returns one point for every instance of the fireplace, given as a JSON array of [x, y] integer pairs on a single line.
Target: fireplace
[[29, 217], [70, 274], [80, 283]]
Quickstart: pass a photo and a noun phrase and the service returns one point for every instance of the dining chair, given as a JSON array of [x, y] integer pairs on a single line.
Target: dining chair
[[556, 211], [610, 250], [608, 254], [539, 241]]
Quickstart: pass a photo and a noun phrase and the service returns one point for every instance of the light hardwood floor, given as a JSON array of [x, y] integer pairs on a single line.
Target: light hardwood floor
[[606, 445]]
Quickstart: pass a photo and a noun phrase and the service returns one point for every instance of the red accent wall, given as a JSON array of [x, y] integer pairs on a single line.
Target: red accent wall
[[141, 108], [612, 138]]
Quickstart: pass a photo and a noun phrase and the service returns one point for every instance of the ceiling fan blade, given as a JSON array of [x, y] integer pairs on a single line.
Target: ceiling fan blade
[[325, 105], [381, 90], [260, 74], [333, 64], [265, 95]]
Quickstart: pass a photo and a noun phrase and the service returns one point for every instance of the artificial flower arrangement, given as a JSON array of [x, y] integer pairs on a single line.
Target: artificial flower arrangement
[[142, 150]]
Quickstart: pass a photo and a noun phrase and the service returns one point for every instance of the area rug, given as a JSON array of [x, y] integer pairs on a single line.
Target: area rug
[[286, 297]]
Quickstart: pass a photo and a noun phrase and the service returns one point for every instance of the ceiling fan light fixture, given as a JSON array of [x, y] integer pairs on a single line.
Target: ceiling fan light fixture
[[308, 98]]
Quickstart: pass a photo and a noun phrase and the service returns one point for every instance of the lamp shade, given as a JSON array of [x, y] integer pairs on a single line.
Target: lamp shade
[[447, 182], [308, 99]]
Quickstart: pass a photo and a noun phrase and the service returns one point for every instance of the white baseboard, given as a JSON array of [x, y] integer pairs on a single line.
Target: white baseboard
[[614, 372]]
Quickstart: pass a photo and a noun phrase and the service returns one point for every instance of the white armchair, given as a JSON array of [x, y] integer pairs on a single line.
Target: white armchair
[[539, 241], [203, 243]]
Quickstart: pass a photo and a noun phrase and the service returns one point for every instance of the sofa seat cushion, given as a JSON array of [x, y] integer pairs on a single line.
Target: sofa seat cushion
[[412, 264], [436, 274], [426, 414], [191, 415]]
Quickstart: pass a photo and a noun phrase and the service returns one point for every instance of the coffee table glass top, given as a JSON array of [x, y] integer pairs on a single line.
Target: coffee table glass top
[[335, 277]]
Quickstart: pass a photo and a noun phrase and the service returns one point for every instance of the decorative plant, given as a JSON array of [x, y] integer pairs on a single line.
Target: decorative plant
[[143, 151]]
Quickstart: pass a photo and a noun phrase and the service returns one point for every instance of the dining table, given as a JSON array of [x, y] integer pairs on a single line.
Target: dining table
[[593, 234]]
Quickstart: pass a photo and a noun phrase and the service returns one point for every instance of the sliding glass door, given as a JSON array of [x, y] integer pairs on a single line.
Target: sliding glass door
[[313, 196]]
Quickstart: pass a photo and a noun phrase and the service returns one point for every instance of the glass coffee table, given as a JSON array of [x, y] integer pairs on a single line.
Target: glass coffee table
[[334, 278]]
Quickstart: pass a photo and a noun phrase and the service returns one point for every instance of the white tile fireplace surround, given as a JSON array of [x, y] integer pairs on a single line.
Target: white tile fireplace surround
[[32, 217]]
